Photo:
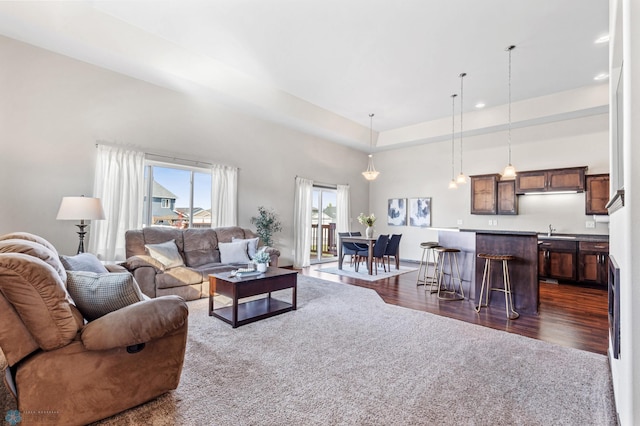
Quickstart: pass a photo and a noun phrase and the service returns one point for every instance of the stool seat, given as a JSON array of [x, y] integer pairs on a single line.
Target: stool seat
[[486, 281], [447, 250], [496, 256], [429, 244]]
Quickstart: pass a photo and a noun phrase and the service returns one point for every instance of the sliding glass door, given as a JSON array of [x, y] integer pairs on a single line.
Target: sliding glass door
[[323, 224]]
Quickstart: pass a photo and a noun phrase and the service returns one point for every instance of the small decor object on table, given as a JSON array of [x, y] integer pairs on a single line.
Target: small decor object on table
[[368, 221], [261, 259]]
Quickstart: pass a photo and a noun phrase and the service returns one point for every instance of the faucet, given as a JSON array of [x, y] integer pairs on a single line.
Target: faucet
[[551, 229]]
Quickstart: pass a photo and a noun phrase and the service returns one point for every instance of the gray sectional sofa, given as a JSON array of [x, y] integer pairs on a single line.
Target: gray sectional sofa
[[198, 255]]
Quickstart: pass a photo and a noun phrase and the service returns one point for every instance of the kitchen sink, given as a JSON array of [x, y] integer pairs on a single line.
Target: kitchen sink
[[557, 237]]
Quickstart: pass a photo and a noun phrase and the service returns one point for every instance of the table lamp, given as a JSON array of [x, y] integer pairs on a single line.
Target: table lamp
[[80, 208]]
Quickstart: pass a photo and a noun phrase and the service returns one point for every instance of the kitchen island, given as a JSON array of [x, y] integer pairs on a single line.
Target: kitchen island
[[523, 270]]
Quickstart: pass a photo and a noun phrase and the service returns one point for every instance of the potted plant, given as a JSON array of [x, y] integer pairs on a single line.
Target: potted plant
[[368, 221], [267, 224], [261, 259]]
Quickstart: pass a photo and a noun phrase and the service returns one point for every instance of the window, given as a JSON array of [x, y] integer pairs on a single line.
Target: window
[[177, 196], [323, 224]]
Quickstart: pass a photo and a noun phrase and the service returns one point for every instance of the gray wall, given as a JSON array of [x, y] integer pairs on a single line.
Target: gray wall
[[53, 110]]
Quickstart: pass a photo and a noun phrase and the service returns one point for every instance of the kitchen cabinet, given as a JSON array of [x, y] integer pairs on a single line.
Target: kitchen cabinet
[[484, 194], [507, 198], [557, 259], [553, 180], [593, 264], [597, 194]]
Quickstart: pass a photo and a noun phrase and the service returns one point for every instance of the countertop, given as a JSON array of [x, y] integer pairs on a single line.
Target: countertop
[[540, 235], [501, 232], [575, 237]]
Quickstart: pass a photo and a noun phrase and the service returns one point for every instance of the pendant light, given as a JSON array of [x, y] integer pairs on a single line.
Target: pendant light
[[452, 184], [370, 173], [509, 171], [461, 179]]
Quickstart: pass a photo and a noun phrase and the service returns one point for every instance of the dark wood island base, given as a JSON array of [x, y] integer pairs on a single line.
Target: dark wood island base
[[523, 269]]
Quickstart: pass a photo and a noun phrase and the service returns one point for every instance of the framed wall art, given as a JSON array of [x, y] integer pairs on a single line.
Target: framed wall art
[[420, 212], [397, 212]]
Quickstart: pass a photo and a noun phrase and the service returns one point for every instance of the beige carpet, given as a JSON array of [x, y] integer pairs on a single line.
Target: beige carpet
[[346, 358]]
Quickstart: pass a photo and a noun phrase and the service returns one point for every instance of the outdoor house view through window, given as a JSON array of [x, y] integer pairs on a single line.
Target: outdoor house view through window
[[323, 224], [177, 196]]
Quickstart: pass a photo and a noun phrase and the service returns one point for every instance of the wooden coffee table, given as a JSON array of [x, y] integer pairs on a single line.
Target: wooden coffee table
[[238, 314]]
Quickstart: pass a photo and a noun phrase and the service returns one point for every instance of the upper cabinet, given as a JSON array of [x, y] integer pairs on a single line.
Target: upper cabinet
[[507, 199], [597, 194], [484, 194], [571, 179]]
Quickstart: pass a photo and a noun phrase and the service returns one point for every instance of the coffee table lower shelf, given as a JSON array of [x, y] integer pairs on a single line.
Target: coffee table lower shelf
[[252, 311]]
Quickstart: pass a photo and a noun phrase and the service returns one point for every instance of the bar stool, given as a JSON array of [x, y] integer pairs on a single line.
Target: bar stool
[[447, 290], [486, 280], [428, 254]]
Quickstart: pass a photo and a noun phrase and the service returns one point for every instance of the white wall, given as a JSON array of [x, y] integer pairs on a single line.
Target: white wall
[[625, 233], [425, 171], [53, 110]]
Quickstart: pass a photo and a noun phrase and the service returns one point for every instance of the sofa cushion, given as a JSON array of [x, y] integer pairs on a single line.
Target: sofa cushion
[[37, 293], [177, 277], [83, 262], [252, 245], [200, 246], [35, 249], [98, 294], [234, 252], [228, 233], [166, 253]]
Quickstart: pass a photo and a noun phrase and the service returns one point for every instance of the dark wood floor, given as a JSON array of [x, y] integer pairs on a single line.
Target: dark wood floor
[[569, 315]]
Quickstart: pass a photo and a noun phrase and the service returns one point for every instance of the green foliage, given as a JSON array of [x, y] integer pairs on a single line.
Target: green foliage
[[267, 224], [261, 257]]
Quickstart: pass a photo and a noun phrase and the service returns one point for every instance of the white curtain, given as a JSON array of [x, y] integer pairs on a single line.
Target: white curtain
[[224, 196], [119, 183], [343, 219], [302, 222]]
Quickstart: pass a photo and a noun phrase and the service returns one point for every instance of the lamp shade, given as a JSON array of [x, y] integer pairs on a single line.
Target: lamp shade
[[80, 208]]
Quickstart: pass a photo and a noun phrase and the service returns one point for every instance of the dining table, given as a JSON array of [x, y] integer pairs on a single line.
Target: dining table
[[370, 242]]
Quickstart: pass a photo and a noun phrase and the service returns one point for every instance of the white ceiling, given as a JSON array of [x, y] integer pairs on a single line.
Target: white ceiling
[[315, 63]]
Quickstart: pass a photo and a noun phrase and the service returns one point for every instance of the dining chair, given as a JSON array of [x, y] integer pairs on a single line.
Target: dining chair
[[349, 248], [392, 249], [378, 253]]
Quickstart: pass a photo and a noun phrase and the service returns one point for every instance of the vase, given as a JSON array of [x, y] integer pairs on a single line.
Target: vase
[[261, 267], [368, 232]]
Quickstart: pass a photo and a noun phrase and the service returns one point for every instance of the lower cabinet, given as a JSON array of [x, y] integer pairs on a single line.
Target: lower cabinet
[[578, 261], [557, 259], [593, 262]]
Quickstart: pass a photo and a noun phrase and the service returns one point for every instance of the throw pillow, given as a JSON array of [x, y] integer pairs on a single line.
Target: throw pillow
[[165, 253], [252, 245], [96, 295], [83, 262], [234, 252]]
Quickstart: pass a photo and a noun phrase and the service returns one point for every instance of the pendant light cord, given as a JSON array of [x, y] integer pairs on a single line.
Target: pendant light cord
[[371, 133], [453, 130], [509, 49], [462, 76]]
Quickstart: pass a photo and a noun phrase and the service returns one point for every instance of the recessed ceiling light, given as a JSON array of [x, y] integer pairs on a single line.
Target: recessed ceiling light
[[602, 39], [480, 105], [602, 76]]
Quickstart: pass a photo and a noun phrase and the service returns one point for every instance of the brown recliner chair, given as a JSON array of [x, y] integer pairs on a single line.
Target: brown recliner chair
[[65, 371]]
